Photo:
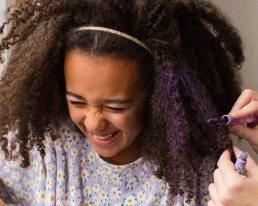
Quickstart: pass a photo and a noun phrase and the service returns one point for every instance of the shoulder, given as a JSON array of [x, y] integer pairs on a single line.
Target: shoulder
[[60, 141], [66, 131]]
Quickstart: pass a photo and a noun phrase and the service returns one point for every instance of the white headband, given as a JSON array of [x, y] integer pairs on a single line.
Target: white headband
[[96, 28]]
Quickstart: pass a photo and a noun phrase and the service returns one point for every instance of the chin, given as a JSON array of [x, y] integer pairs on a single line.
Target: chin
[[105, 154]]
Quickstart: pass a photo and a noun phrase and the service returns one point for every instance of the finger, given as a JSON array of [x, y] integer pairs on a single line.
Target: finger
[[250, 108], [220, 195], [211, 203], [213, 194], [251, 167], [212, 191], [227, 171], [246, 97], [244, 132], [225, 162], [237, 152], [1, 203]]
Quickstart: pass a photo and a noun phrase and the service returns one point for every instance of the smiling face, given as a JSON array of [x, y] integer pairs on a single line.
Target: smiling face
[[107, 103]]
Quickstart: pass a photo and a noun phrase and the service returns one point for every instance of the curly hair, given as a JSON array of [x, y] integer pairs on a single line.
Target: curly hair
[[191, 75]]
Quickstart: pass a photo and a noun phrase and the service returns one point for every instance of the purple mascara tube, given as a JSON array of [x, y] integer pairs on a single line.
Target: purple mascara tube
[[230, 120], [241, 162], [227, 120]]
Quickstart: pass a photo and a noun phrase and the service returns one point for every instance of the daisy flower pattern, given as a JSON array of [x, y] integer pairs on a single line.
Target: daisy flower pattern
[[72, 173], [115, 193]]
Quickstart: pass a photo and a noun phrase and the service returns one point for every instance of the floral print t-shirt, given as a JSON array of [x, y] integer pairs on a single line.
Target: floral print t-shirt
[[73, 174]]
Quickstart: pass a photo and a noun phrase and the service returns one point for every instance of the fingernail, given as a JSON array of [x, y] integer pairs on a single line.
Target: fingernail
[[237, 152]]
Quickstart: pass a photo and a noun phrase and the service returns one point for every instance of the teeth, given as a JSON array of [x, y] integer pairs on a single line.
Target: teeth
[[102, 137]]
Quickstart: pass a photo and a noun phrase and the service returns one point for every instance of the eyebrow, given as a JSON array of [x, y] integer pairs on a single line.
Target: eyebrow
[[107, 101], [75, 95]]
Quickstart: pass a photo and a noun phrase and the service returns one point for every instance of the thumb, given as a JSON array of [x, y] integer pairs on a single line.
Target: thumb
[[242, 131], [251, 168]]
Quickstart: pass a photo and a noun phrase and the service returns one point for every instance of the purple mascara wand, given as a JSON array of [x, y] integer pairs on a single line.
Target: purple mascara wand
[[241, 162], [216, 121]]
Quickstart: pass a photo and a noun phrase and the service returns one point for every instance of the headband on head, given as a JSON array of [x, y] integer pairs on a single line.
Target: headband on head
[[96, 28]]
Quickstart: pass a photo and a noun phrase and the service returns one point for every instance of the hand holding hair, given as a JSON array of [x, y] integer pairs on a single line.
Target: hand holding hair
[[231, 188], [2, 203], [246, 105]]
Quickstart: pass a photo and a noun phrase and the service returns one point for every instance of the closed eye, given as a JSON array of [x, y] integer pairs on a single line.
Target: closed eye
[[77, 103], [115, 109]]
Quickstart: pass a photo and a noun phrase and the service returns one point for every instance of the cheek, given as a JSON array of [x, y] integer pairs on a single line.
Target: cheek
[[75, 115], [131, 122], [136, 116]]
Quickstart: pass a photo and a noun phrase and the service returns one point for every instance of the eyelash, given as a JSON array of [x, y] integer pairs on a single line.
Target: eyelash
[[77, 103], [110, 108], [115, 109]]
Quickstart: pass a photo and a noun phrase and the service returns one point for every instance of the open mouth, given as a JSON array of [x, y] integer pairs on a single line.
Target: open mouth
[[104, 137]]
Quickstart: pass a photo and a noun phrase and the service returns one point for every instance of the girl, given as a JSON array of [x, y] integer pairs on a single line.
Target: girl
[[105, 102]]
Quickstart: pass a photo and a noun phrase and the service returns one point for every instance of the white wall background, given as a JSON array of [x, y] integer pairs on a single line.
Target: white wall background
[[244, 15], [3, 5]]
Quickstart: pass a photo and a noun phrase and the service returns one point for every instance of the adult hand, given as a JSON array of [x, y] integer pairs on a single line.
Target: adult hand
[[246, 105], [1, 203], [231, 188]]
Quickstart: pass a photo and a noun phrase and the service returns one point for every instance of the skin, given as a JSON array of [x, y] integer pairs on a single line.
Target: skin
[[1, 203], [231, 188], [105, 98], [246, 105]]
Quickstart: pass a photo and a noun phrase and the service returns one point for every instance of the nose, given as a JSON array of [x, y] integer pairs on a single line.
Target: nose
[[94, 120]]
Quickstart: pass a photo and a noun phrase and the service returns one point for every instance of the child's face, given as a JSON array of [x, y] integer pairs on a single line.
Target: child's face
[[107, 103]]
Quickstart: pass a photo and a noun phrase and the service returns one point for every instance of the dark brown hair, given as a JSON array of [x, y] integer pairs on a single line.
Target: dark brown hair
[[191, 75]]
